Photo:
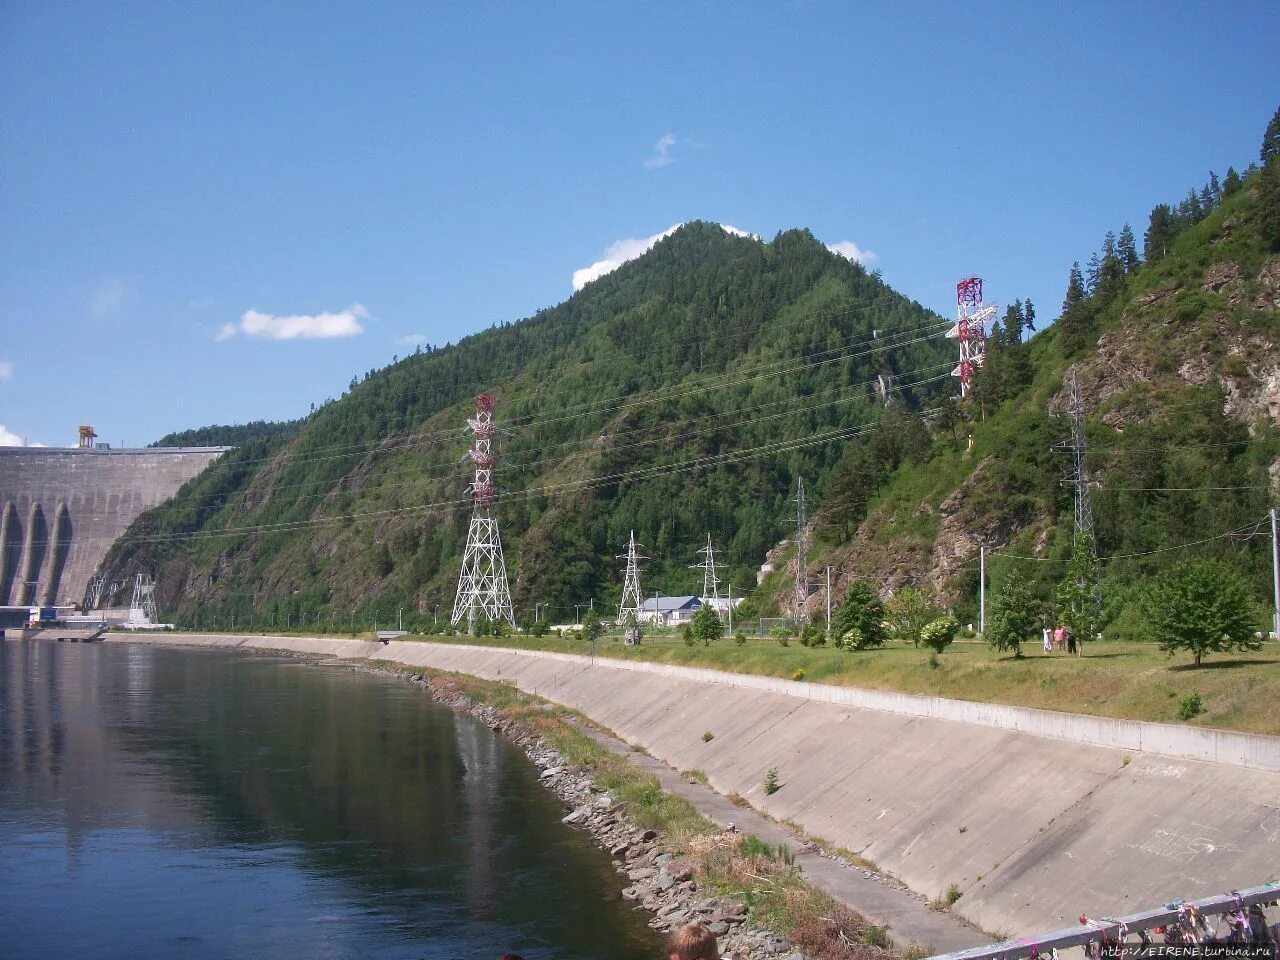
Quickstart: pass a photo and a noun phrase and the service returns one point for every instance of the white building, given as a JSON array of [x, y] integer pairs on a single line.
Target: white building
[[669, 611]]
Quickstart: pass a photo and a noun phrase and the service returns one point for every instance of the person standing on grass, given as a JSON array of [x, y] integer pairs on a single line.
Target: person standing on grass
[[692, 942]]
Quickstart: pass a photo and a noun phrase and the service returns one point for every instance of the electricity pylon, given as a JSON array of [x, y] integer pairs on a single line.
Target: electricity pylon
[[482, 584]]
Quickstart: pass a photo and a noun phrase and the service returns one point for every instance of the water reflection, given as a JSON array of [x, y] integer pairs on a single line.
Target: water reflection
[[194, 803]]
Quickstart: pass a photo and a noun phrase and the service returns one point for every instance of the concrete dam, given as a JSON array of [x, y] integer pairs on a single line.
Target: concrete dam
[[61, 509]]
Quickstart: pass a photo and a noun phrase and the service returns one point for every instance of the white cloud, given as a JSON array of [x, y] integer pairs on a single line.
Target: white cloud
[[108, 298], [10, 439], [621, 251], [319, 326], [661, 155], [6, 371], [851, 251], [413, 340]]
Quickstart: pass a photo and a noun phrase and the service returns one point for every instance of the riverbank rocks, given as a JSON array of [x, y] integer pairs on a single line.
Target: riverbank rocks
[[659, 881]]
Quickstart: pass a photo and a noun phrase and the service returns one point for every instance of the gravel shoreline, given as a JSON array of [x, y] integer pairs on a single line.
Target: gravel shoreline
[[655, 878]]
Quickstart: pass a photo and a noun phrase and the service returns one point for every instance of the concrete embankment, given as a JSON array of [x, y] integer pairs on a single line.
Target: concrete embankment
[[1032, 829]]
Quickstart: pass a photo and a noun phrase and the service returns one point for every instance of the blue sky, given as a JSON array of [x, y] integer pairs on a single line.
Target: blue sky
[[193, 193]]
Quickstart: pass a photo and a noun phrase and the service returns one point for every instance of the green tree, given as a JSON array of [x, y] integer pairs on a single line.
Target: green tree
[[938, 634], [706, 625], [909, 611], [1075, 288], [1231, 182], [1160, 234], [1268, 212], [1079, 595], [1013, 616], [859, 622], [592, 627], [1201, 606], [1271, 140], [1127, 250]]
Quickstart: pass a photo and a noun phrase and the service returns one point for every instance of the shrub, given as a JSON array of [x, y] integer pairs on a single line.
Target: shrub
[[798, 673], [771, 785], [938, 634], [1190, 706], [708, 737], [740, 638]]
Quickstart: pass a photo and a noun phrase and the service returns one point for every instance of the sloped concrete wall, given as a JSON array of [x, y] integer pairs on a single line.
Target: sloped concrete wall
[[61, 509], [1033, 829]]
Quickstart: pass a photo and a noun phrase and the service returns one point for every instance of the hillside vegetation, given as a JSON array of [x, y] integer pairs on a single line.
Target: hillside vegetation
[[685, 393], [680, 395]]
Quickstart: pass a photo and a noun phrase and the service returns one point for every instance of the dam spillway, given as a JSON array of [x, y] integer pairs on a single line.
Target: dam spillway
[[61, 509]]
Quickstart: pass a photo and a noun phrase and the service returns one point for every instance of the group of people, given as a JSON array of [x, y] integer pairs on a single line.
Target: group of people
[[1058, 638]]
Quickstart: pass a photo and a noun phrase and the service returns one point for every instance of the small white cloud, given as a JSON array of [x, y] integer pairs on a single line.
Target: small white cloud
[[413, 340], [320, 326], [661, 155], [10, 439], [739, 232], [6, 371], [851, 251], [108, 298], [617, 254]]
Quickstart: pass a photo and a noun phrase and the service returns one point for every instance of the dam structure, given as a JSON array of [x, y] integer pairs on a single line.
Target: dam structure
[[61, 509]]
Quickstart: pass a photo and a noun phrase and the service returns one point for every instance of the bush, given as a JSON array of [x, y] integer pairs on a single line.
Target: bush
[[708, 736], [740, 638], [798, 673], [939, 634], [859, 623], [1189, 707], [771, 785]]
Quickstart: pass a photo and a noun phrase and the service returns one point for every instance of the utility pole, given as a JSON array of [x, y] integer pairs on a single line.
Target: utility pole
[[482, 583], [982, 590], [730, 608], [801, 601], [1275, 577], [828, 599]]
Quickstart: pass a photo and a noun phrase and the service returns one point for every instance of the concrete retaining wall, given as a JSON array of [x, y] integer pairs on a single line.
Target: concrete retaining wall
[[1033, 829], [61, 509]]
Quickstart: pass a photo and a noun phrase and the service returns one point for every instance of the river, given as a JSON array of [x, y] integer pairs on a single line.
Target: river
[[162, 803]]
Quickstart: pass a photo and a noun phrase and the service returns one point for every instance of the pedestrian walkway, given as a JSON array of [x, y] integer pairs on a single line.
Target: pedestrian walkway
[[908, 919]]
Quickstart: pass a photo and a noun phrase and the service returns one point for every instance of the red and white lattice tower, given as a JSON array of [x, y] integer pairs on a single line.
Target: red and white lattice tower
[[970, 330], [482, 585]]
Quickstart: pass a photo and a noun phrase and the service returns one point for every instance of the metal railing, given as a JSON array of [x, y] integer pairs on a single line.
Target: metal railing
[[1116, 929]]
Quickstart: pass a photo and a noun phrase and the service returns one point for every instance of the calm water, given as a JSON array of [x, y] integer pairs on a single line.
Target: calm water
[[191, 804]]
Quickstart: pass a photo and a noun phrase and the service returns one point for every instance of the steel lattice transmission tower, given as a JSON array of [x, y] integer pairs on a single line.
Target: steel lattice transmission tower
[[629, 606], [482, 584], [1080, 469], [142, 606], [970, 331], [801, 600], [710, 582]]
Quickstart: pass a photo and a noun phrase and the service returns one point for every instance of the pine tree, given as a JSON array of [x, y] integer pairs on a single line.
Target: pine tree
[[1207, 200], [1075, 288], [1271, 140], [1160, 234], [1215, 187], [1127, 250], [1231, 182], [1029, 316], [1093, 274]]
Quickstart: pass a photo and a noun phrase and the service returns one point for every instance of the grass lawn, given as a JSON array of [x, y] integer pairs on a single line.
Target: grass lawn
[[1133, 681]]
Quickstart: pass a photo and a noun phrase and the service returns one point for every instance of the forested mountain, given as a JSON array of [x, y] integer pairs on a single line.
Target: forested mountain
[[1177, 355], [680, 395], [685, 393]]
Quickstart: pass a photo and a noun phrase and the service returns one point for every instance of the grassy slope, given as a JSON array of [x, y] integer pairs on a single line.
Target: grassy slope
[[1131, 681]]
